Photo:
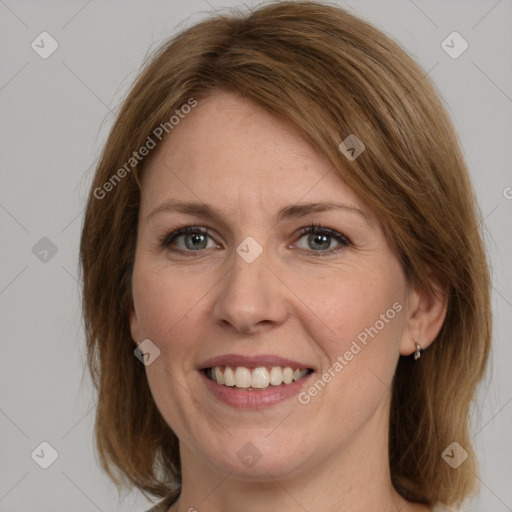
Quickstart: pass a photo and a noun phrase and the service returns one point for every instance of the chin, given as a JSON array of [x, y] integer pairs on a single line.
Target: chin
[[250, 457]]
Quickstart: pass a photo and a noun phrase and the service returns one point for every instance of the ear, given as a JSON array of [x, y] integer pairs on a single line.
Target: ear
[[426, 312], [135, 327]]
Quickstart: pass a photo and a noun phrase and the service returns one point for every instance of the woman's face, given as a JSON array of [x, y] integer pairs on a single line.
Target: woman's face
[[262, 289]]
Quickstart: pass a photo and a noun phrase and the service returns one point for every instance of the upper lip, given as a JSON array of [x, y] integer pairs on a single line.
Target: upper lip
[[264, 360]]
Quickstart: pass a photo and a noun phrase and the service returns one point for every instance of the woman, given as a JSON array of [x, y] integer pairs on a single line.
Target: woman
[[286, 294]]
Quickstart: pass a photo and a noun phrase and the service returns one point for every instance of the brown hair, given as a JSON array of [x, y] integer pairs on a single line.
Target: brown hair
[[329, 74]]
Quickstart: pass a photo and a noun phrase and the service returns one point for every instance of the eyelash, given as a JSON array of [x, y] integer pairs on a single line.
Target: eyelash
[[318, 229]]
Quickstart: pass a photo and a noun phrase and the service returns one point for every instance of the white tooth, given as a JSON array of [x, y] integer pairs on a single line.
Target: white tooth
[[242, 377], [276, 376], [260, 378], [217, 375], [298, 374], [229, 376], [287, 375]]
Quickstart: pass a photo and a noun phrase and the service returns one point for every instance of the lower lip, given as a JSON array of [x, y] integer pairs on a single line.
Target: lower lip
[[254, 399]]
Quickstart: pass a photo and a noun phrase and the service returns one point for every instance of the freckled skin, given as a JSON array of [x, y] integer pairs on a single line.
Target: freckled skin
[[231, 155]]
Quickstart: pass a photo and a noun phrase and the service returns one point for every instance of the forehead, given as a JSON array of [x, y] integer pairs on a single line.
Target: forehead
[[229, 152]]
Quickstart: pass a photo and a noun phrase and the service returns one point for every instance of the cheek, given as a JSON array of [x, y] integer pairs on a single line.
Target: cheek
[[358, 339], [356, 328], [165, 304], [358, 306], [173, 308]]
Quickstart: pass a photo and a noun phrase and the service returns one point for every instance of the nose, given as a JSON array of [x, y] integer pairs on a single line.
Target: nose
[[252, 297]]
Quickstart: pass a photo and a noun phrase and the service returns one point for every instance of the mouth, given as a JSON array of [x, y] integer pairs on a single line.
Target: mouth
[[255, 379], [254, 382]]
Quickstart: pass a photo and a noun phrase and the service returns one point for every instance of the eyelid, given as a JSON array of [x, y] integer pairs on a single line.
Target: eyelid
[[341, 238], [171, 235]]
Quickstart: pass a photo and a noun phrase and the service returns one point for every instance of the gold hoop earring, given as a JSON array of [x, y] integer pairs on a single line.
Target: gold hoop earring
[[419, 350]]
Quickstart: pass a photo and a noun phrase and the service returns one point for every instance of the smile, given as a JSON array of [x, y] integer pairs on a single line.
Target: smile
[[254, 382], [261, 377]]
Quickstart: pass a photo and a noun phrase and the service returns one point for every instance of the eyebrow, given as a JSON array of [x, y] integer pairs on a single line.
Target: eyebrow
[[298, 210]]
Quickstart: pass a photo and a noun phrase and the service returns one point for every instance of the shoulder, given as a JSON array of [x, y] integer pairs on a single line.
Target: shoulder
[[442, 508], [162, 506]]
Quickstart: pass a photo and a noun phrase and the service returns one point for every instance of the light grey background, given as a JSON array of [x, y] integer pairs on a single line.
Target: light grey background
[[55, 115]]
